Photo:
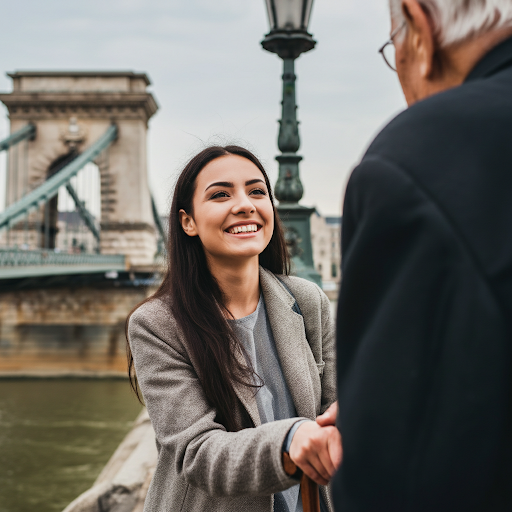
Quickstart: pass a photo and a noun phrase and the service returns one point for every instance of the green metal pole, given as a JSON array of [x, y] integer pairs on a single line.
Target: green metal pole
[[289, 189]]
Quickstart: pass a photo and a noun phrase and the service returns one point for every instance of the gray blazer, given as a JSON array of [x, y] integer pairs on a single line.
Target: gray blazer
[[202, 467]]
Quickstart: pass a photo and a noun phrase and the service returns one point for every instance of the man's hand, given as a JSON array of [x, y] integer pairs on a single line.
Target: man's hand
[[329, 416], [317, 451]]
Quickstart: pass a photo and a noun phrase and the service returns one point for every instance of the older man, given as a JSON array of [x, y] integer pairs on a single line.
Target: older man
[[425, 309]]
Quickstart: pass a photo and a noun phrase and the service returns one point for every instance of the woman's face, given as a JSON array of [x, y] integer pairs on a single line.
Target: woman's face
[[232, 211]]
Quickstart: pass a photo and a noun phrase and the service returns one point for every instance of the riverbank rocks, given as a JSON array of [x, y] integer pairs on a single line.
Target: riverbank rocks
[[124, 481]]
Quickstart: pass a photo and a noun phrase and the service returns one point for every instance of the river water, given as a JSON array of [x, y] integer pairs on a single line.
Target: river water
[[56, 436]]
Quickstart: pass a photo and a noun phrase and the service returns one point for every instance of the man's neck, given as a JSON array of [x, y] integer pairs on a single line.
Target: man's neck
[[460, 59]]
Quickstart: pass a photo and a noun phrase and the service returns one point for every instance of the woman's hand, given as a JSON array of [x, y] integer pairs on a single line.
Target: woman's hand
[[329, 416], [317, 451]]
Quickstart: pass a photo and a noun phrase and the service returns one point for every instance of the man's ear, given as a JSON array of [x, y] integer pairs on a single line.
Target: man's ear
[[421, 36], [187, 223]]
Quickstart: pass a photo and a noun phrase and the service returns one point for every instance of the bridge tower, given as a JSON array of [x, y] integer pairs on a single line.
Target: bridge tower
[[70, 112]]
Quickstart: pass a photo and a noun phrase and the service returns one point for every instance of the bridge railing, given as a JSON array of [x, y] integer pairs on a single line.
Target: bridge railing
[[18, 257]]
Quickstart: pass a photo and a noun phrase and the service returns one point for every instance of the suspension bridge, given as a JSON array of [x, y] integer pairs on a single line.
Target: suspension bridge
[[80, 236]]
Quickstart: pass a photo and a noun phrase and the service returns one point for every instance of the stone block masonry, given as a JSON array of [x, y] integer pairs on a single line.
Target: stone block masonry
[[66, 331]]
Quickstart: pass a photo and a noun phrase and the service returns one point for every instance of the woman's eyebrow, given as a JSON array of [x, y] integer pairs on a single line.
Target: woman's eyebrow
[[229, 184], [252, 182]]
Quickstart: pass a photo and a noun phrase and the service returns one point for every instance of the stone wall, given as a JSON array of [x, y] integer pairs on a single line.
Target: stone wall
[[59, 331]]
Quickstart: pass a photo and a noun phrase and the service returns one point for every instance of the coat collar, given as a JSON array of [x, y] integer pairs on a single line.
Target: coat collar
[[291, 344], [499, 58]]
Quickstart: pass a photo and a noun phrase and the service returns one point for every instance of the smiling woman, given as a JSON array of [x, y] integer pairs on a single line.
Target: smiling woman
[[234, 219], [232, 355]]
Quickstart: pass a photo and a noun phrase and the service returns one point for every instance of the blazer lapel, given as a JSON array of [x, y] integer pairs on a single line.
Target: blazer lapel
[[291, 343]]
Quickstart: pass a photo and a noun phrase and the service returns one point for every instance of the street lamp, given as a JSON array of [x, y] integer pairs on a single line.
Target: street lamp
[[289, 37]]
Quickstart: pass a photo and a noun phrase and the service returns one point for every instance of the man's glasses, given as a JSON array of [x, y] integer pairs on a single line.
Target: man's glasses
[[388, 50]]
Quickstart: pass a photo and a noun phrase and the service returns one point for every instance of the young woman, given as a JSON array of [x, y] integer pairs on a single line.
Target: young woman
[[232, 356]]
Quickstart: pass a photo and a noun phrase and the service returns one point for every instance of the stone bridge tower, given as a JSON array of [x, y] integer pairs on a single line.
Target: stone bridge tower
[[70, 111]]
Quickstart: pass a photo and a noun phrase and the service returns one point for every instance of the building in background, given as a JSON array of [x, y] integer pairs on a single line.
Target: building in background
[[326, 239]]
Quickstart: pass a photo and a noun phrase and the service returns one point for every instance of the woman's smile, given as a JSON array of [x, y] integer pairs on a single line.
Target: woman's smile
[[244, 230]]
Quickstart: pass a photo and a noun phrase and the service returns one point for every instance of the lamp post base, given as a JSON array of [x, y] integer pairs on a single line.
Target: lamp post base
[[296, 222]]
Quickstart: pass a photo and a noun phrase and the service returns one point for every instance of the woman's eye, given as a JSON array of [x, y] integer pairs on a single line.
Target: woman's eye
[[218, 195], [258, 191]]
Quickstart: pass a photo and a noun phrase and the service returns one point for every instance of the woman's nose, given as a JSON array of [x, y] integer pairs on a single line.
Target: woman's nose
[[243, 205]]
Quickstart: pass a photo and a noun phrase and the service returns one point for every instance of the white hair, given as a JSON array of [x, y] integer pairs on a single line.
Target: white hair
[[455, 21]]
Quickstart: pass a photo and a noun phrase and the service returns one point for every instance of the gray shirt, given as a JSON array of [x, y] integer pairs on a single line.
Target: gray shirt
[[273, 398]]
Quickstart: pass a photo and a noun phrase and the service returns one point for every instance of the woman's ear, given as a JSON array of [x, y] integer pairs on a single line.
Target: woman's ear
[[187, 223]]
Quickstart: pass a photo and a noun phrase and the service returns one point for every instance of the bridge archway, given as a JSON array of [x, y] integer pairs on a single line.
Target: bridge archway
[[50, 214], [70, 111], [73, 234]]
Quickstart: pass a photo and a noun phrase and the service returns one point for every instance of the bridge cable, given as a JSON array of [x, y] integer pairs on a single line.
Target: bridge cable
[[27, 132], [50, 187], [86, 215]]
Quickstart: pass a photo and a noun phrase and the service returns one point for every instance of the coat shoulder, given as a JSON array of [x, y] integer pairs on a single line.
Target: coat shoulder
[[302, 286], [444, 121], [152, 309], [154, 317], [309, 296]]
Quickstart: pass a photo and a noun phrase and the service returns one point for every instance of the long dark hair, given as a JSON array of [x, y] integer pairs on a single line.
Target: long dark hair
[[196, 300]]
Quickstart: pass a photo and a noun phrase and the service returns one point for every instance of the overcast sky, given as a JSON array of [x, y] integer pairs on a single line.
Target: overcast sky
[[214, 82]]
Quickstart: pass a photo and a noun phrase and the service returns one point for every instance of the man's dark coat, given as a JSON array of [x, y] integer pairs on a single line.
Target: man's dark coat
[[425, 309]]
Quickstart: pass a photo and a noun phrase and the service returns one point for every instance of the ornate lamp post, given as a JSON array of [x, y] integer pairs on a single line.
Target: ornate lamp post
[[289, 37]]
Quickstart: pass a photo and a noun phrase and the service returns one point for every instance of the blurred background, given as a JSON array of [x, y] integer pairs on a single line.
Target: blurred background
[[201, 77]]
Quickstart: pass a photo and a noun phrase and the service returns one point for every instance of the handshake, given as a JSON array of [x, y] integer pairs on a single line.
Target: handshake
[[316, 447]]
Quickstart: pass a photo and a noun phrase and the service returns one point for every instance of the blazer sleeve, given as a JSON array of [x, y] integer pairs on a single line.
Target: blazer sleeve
[[328, 354], [221, 463], [422, 353]]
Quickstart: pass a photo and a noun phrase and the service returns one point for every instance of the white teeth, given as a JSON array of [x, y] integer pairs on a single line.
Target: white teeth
[[243, 229]]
